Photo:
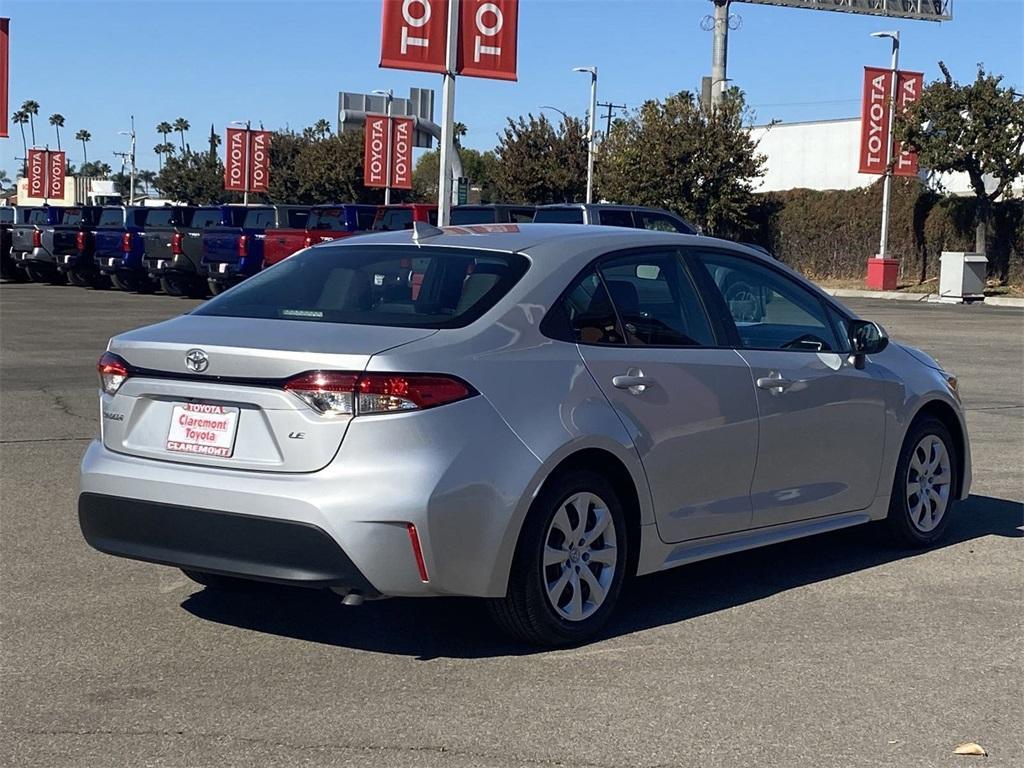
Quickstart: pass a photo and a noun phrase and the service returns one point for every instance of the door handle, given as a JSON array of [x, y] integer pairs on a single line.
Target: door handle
[[775, 383], [634, 381]]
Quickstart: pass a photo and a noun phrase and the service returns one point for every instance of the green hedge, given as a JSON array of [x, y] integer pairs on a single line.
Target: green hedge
[[831, 234]]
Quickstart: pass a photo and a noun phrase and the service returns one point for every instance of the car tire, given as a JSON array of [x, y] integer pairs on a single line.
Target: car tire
[[76, 279], [119, 283], [552, 584], [218, 582], [924, 490], [172, 286], [216, 288]]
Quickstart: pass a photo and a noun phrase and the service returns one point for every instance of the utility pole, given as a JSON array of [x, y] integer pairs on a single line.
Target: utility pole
[[131, 181], [719, 52], [608, 115]]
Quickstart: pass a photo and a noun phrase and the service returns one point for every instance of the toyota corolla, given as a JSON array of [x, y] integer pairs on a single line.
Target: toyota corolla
[[526, 414]]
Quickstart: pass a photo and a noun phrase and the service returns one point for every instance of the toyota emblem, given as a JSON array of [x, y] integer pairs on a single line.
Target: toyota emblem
[[196, 360]]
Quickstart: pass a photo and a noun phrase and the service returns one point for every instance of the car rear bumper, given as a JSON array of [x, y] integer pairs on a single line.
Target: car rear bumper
[[213, 541], [457, 473]]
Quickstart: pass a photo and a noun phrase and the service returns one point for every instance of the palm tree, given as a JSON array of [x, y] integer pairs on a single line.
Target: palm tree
[[181, 125], [83, 136], [322, 128], [146, 178], [458, 131], [165, 129], [57, 121], [20, 118], [31, 108], [159, 150]]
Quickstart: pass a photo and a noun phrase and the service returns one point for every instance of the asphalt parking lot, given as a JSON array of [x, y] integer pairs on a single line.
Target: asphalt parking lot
[[832, 651]]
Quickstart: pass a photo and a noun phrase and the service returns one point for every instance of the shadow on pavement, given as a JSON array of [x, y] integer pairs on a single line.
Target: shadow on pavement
[[459, 627]]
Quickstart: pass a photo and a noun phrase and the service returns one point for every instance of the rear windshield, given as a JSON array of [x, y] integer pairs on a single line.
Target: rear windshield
[[159, 217], [473, 216], [6, 215], [398, 286], [72, 216], [204, 218], [331, 219], [259, 219], [297, 218], [38, 216], [111, 217], [558, 216]]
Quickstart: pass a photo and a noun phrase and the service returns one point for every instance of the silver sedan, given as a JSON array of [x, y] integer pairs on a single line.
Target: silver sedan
[[527, 414]]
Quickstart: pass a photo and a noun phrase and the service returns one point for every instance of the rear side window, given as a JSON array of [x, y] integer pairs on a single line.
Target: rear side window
[[521, 215], [558, 216], [297, 218], [398, 286], [258, 218], [617, 218], [111, 217], [472, 216], [390, 220], [204, 218], [72, 216], [37, 216], [661, 222], [330, 219], [159, 217]]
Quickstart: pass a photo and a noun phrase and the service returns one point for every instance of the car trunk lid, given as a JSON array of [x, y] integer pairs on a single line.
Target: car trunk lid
[[235, 401]]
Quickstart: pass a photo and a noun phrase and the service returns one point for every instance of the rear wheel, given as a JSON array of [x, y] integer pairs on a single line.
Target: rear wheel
[[77, 279], [569, 564], [924, 491]]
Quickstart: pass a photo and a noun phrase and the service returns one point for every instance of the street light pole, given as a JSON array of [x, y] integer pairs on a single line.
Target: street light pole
[[883, 243], [719, 52], [590, 131], [444, 184]]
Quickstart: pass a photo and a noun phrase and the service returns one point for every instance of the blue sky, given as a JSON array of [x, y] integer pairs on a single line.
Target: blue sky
[[283, 62]]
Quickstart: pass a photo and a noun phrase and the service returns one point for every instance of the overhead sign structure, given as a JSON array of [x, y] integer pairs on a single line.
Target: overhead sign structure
[[917, 10], [477, 38], [354, 107], [5, 76], [387, 152], [876, 114], [46, 171], [247, 160]]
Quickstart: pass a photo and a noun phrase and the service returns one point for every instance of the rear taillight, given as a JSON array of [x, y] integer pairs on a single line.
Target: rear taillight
[[80, 241], [243, 246], [308, 241], [336, 394], [176, 243], [113, 372], [126, 242], [37, 238]]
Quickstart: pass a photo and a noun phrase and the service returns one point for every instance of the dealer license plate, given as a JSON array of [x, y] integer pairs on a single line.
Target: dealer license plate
[[204, 430]]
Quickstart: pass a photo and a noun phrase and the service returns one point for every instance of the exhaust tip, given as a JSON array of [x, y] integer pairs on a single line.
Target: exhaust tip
[[349, 598]]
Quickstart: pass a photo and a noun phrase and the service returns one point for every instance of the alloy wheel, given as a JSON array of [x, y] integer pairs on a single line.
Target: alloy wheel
[[928, 483], [579, 556]]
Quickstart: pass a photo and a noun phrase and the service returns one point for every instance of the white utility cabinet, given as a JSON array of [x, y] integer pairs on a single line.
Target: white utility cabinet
[[962, 276]]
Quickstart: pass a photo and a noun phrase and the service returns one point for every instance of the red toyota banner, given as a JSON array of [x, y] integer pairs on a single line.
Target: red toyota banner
[[375, 163], [259, 161], [37, 173], [401, 152], [5, 73], [874, 120], [234, 161], [488, 31], [56, 167], [908, 90], [414, 34]]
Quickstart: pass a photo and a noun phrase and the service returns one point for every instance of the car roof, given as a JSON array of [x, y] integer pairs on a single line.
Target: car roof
[[512, 238]]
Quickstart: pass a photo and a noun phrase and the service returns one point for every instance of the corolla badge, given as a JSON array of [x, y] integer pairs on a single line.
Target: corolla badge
[[197, 360]]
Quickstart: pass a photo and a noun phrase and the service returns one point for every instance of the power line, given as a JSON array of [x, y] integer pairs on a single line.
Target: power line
[[608, 115]]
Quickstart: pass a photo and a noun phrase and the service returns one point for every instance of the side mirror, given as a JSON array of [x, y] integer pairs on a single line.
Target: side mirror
[[867, 338]]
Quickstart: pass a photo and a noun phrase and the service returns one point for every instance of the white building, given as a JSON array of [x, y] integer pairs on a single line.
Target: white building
[[825, 154]]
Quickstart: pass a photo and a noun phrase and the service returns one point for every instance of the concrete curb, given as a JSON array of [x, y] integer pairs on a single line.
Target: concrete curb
[[850, 293]]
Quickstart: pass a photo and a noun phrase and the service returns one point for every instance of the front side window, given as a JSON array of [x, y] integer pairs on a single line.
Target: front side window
[[656, 301], [769, 310], [660, 222], [402, 286], [611, 217]]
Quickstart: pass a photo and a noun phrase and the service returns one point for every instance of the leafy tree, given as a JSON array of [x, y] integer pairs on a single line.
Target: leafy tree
[[479, 167], [57, 121], [192, 177], [331, 170], [31, 108], [537, 163], [681, 155], [122, 182], [19, 118], [181, 125], [84, 136], [285, 147], [100, 170], [977, 129]]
